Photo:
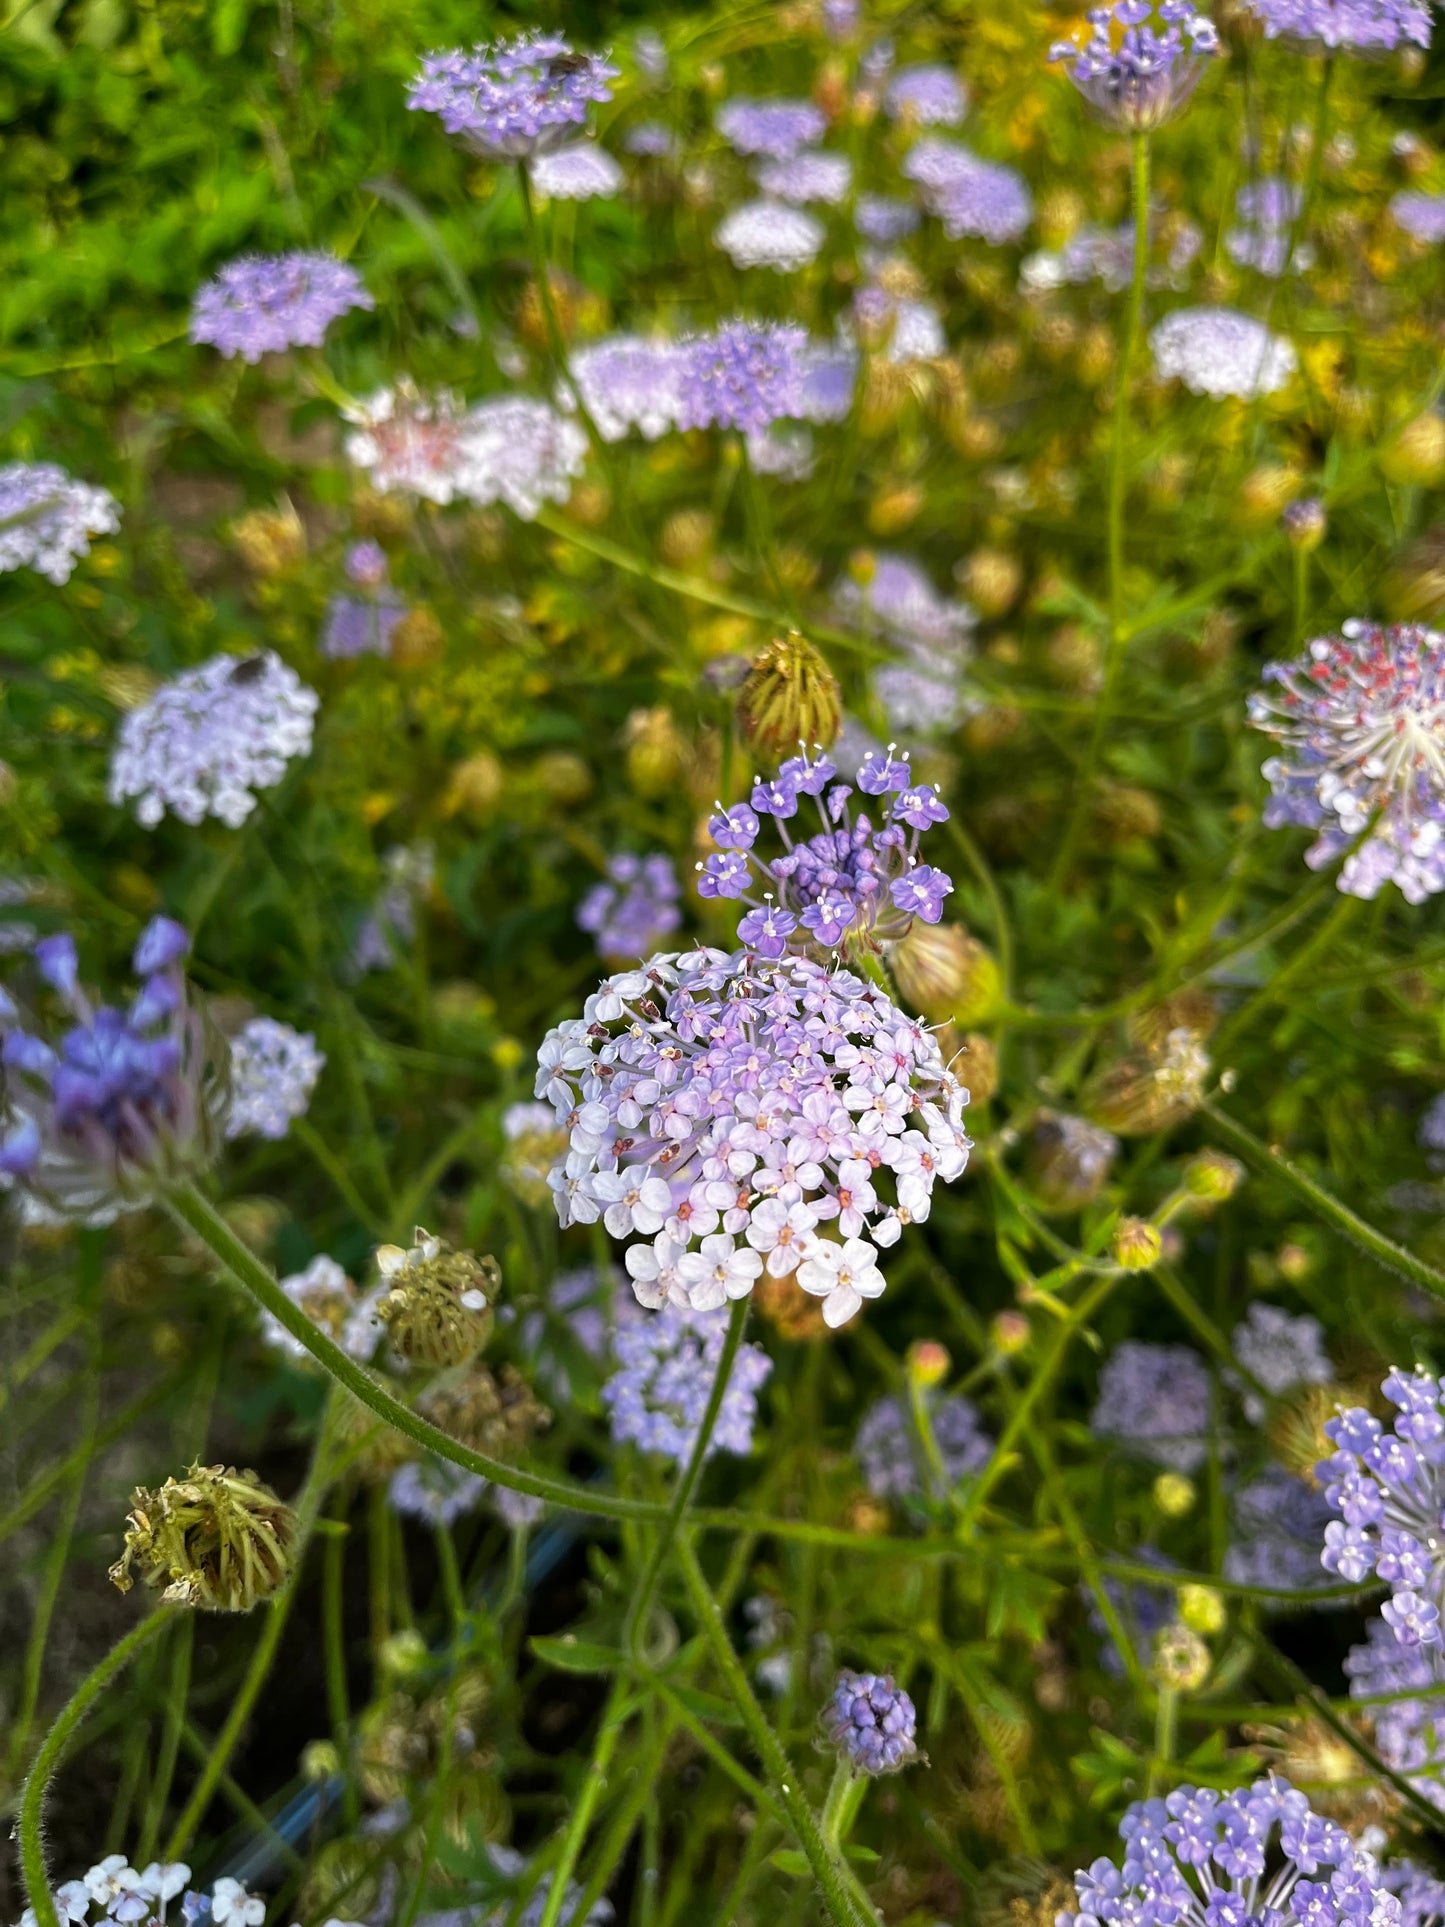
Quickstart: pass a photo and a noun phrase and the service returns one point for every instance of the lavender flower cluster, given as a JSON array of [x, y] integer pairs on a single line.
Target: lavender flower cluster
[[845, 883], [263, 304], [516, 99], [970, 196], [1353, 26], [666, 1363], [923, 690], [511, 449], [1141, 78], [872, 1723], [47, 520], [1157, 1399], [890, 1452], [273, 1073], [1407, 1684], [113, 1890], [708, 1098], [634, 912]]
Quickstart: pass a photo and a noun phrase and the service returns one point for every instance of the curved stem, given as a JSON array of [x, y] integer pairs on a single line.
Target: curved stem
[[32, 1799], [636, 1622], [614, 1718]]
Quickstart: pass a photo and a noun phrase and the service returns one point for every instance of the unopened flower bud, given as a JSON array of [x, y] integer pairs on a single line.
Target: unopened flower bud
[[1174, 1495], [1124, 813], [1181, 1660], [218, 1539], [1072, 657], [403, 1655], [562, 776], [1304, 523], [321, 1760], [1202, 1609], [928, 1362], [437, 1309], [1264, 493], [1213, 1176], [1415, 456], [895, 509], [1294, 1262], [656, 751], [270, 541], [791, 696], [992, 579], [942, 973], [976, 1065], [1137, 1245], [476, 787], [687, 537], [1069, 1161], [1414, 589], [1010, 1332], [417, 639]]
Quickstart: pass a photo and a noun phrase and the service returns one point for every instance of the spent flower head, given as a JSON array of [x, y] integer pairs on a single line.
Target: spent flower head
[[47, 520], [437, 1303], [1140, 64], [263, 304], [217, 1539], [515, 98]]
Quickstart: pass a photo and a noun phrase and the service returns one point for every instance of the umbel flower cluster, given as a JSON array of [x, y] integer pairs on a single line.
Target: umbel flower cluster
[[47, 519], [665, 1368], [1144, 76], [265, 303], [123, 1100], [516, 99], [510, 449], [113, 1890], [736, 1112], [872, 1723], [845, 883], [1360, 720]]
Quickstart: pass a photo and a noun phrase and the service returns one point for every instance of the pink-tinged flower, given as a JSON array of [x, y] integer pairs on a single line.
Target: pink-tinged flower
[[842, 1276], [717, 1271], [782, 1232]]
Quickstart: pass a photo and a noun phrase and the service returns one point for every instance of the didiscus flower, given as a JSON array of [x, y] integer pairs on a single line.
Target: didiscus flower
[[1354, 26], [1422, 216], [1218, 352], [628, 383], [970, 195], [409, 441], [666, 1363], [1360, 720], [514, 99], [635, 910], [123, 1101], [927, 95], [891, 1454], [209, 740], [704, 1088], [1144, 77], [1409, 1731], [872, 1722], [262, 304], [581, 172], [807, 177], [769, 234], [1155, 1399], [47, 520], [273, 1073], [521, 452], [745, 375], [776, 128]]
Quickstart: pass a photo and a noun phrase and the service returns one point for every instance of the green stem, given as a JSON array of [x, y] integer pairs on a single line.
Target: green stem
[[614, 1718], [1166, 1728], [833, 1887], [32, 1799], [843, 1804], [635, 1627], [175, 1719], [333, 1581], [1382, 1249]]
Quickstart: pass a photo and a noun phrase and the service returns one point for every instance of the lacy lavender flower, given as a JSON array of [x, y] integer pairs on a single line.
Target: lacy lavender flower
[[332, 1302], [1279, 1521], [408, 872], [806, 177], [47, 520], [745, 374], [362, 625], [784, 450], [923, 692], [1420, 1892], [846, 883], [891, 1454], [520, 452], [628, 383], [1144, 77], [208, 741], [1409, 1732], [113, 1890], [969, 195], [1389, 1489], [409, 441], [1280, 1353], [1266, 211], [883, 219], [514, 99], [927, 95], [435, 1491], [1199, 1858], [635, 911], [125, 1100], [871, 1722], [1422, 216], [769, 234], [1217, 352], [776, 129], [1354, 26], [666, 1363], [1360, 720], [582, 172], [1156, 1399], [709, 1098], [262, 304], [273, 1073]]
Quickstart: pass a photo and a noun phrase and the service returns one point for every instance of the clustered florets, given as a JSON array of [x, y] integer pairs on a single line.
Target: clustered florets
[[872, 1723], [582, 172], [635, 911], [627, 383], [1144, 77], [273, 1073], [970, 196], [129, 1897], [511, 449], [807, 177], [1156, 1399], [1360, 718], [745, 374], [1422, 216], [665, 1366], [1353, 25], [1219, 353], [47, 520], [263, 304], [1409, 1731], [209, 740], [927, 95], [769, 234], [924, 689], [890, 1451], [362, 625], [847, 883], [1199, 1858], [776, 129], [332, 1302], [710, 1099], [1389, 1490], [515, 99]]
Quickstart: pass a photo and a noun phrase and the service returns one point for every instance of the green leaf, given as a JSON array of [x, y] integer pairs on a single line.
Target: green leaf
[[571, 1655], [1019, 1602], [789, 1860]]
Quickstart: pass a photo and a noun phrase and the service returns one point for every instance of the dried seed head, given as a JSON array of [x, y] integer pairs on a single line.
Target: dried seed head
[[1181, 1660], [437, 1309], [791, 696], [945, 974], [495, 1413], [217, 1539]]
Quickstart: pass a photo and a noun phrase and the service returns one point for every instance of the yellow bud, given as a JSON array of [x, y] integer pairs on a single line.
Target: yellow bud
[[1416, 454], [1213, 1176], [320, 1760], [508, 1053], [403, 1654], [1294, 1263], [476, 787], [562, 776], [992, 579], [1010, 1332], [1264, 492], [1174, 1495], [976, 1066], [1202, 1609], [270, 541], [895, 510], [655, 751], [928, 1362]]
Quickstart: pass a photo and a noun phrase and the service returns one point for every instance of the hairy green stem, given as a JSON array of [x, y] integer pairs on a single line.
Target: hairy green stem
[[614, 1718]]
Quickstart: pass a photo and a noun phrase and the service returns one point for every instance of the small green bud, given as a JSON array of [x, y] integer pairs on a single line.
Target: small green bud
[[1137, 1245], [1174, 1495], [1202, 1609], [1213, 1176]]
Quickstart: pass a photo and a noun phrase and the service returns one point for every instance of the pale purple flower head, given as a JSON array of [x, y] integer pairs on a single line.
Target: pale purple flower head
[[1430, 1131], [927, 95], [651, 140], [331, 1301], [635, 911], [1421, 1894], [95, 1121], [666, 1364], [582, 171], [410, 441], [734, 1112], [273, 1073], [628, 383], [970, 196], [1359, 720], [1279, 1521], [883, 219], [366, 564], [513, 1868], [513, 99], [872, 1723], [829, 381], [128, 1897], [806, 177], [362, 625], [1157, 1400], [1220, 353], [1266, 211], [262, 304], [1388, 1487], [777, 129], [1280, 1352], [208, 741], [47, 520], [1409, 1732], [521, 452], [1106, 254], [848, 881], [891, 1454], [435, 1491], [769, 234], [1351, 26], [745, 375], [1422, 216], [1197, 1840], [1144, 77]]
